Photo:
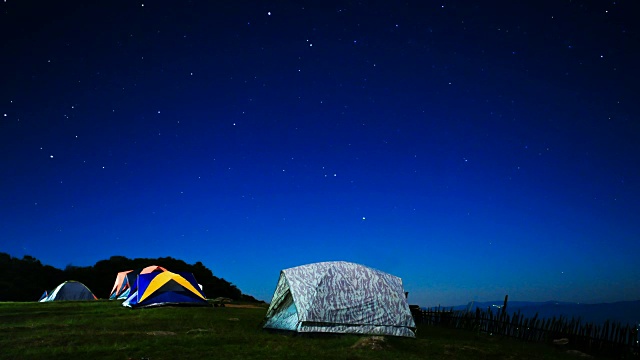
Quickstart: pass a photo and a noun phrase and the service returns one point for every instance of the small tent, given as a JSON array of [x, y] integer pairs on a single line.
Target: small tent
[[69, 290], [340, 297], [126, 281], [120, 285], [166, 288]]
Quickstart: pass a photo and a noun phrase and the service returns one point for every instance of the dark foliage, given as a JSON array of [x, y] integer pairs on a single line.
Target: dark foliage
[[26, 279]]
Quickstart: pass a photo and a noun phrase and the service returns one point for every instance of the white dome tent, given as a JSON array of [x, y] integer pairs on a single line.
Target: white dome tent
[[340, 297], [69, 290]]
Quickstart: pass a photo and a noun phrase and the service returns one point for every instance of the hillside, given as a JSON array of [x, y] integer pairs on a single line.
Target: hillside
[[106, 330]]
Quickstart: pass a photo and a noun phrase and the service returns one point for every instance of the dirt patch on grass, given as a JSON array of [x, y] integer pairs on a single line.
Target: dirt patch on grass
[[243, 306], [371, 343], [579, 354], [161, 333]]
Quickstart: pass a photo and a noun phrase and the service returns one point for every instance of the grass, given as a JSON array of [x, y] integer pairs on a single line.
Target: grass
[[106, 330]]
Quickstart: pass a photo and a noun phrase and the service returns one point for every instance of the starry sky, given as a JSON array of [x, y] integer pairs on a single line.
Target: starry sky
[[475, 149]]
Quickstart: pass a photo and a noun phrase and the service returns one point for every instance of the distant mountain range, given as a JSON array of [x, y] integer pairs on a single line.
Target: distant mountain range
[[624, 312]]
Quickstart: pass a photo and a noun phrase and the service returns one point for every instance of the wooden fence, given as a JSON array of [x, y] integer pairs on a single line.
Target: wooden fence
[[610, 339]]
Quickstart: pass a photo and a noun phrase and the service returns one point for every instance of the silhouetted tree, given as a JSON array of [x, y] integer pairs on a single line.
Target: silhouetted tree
[[26, 279]]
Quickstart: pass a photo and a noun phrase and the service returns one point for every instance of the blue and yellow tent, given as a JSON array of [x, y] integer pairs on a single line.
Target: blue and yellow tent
[[126, 282], [166, 288]]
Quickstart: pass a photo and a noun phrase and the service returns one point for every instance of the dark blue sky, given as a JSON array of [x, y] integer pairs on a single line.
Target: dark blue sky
[[473, 149]]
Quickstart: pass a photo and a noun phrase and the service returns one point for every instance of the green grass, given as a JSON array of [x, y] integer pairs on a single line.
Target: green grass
[[106, 330]]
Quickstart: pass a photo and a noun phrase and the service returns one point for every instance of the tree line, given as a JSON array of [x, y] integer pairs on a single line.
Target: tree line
[[27, 278]]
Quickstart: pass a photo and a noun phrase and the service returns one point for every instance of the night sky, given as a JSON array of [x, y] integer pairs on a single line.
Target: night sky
[[475, 149]]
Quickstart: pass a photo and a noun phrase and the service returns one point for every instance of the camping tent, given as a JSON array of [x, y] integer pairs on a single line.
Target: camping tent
[[166, 288], [126, 280], [120, 285], [70, 290], [340, 297]]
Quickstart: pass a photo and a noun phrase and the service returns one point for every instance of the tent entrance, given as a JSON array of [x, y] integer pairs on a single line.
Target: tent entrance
[[285, 316]]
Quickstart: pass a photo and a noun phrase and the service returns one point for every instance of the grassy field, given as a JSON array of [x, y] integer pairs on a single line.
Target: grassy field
[[106, 330]]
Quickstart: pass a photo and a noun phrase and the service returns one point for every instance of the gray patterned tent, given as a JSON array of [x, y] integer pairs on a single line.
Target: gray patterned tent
[[340, 297]]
